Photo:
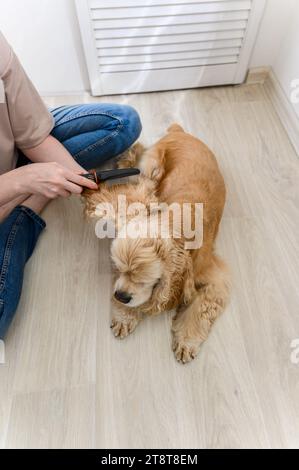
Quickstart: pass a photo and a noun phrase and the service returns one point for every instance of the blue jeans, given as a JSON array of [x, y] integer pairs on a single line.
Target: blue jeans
[[92, 133]]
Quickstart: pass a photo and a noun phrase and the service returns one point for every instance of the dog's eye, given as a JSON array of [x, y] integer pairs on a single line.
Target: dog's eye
[[157, 283]]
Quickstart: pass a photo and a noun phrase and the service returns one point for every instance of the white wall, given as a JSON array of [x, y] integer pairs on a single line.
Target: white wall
[[272, 31], [45, 35], [277, 43], [286, 64]]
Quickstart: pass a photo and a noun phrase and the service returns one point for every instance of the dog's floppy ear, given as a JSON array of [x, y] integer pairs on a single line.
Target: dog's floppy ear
[[104, 203], [177, 278], [92, 199], [89, 199]]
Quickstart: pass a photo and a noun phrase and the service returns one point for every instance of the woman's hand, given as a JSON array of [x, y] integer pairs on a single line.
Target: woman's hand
[[52, 180]]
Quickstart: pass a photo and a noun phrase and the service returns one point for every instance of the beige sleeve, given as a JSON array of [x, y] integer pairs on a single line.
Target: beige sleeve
[[31, 122]]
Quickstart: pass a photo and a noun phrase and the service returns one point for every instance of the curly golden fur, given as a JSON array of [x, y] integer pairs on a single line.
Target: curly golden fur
[[158, 274]]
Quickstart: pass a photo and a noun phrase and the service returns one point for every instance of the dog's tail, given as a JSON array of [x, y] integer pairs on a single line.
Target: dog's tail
[[175, 128]]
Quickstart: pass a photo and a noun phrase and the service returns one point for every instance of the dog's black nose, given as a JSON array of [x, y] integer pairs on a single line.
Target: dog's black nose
[[122, 296]]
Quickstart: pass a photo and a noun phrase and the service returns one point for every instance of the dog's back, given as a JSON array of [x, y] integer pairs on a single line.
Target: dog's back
[[187, 172], [191, 170]]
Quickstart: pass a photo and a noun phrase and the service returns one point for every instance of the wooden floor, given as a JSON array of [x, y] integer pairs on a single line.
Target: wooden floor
[[68, 382]]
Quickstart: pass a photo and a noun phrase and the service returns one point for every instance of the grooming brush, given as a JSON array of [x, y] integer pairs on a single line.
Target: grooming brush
[[104, 175]]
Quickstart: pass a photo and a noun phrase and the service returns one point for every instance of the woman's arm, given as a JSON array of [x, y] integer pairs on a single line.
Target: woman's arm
[[51, 150], [10, 189], [57, 175], [48, 179]]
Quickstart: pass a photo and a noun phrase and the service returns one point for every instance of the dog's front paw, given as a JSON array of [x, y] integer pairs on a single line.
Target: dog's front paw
[[185, 350], [122, 328]]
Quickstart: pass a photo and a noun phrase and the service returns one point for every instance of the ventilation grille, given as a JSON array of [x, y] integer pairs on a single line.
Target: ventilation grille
[[134, 46], [132, 36]]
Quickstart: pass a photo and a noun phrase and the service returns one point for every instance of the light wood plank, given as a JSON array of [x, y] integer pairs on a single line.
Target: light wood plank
[[53, 419], [59, 308]]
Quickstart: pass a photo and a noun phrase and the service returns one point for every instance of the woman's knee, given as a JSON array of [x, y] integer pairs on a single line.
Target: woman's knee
[[131, 125]]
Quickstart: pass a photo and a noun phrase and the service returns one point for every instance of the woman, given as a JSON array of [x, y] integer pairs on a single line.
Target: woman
[[62, 144]]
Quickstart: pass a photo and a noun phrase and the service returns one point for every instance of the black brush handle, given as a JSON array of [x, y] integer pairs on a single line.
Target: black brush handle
[[105, 175], [118, 173]]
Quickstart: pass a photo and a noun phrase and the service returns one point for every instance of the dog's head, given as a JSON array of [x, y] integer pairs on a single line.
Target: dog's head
[[138, 269], [151, 271]]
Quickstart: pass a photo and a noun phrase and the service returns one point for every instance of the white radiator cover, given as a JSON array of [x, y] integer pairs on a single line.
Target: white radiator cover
[[136, 46]]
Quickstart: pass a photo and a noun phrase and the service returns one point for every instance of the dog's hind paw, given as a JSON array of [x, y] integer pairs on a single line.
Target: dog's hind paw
[[185, 350], [122, 328]]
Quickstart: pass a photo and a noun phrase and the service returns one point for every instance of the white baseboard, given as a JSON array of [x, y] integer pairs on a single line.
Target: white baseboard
[[289, 119], [284, 108], [54, 94], [257, 75]]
